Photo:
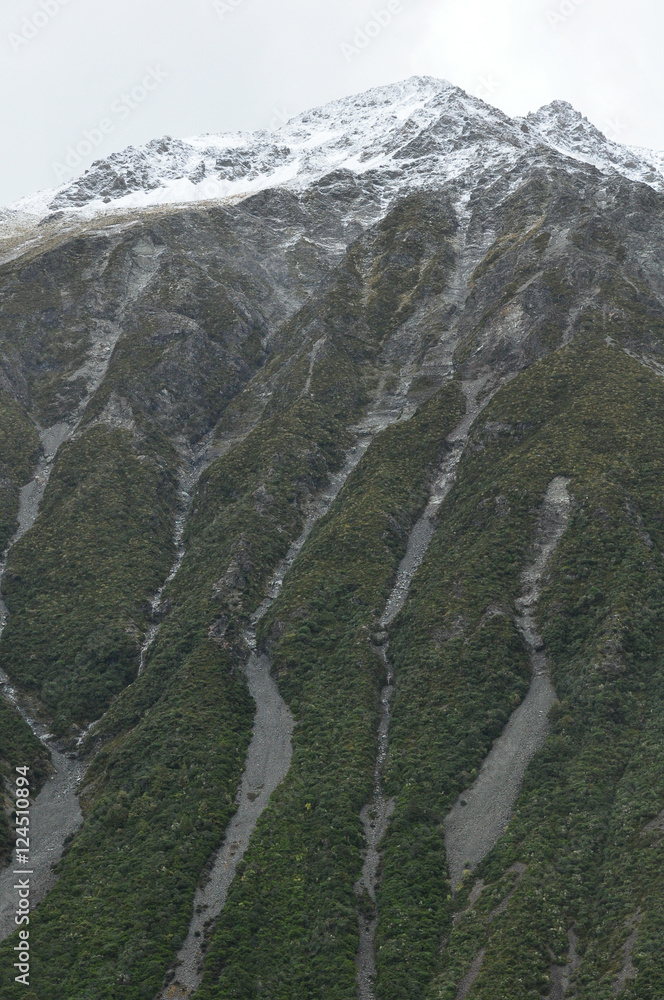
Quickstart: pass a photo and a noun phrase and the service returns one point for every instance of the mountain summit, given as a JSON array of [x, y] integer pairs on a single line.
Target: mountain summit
[[419, 133]]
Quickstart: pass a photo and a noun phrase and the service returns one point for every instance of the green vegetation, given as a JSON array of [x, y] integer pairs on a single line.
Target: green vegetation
[[160, 791], [182, 381], [412, 254], [290, 925], [581, 824], [43, 309], [584, 851], [247, 509], [594, 415], [110, 927], [76, 584], [19, 449], [460, 670], [18, 748]]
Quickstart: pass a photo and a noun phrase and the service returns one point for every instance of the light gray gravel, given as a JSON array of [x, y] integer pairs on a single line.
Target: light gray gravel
[[629, 970], [561, 975], [269, 754], [266, 767], [482, 813], [470, 977], [270, 750], [375, 817], [54, 814]]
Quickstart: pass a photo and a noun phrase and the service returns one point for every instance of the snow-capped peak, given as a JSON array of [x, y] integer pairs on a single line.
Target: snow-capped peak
[[419, 132], [561, 127]]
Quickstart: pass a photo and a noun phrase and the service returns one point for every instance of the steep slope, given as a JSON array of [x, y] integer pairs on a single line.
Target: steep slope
[[593, 415], [331, 677], [244, 405], [176, 326]]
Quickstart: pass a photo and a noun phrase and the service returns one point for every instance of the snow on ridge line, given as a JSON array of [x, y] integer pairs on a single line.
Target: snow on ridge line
[[171, 159], [567, 131], [379, 129], [185, 191]]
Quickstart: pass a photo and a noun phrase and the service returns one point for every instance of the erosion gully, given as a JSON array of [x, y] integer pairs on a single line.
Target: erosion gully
[[269, 755], [376, 814], [480, 814], [189, 476], [55, 813]]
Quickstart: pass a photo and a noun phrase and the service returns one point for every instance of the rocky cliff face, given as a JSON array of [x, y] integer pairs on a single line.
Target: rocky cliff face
[[198, 339]]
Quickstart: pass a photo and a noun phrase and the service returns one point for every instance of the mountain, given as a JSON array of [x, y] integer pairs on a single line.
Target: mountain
[[330, 495], [415, 135]]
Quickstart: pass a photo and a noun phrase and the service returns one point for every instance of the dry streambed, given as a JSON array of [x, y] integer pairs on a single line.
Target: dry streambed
[[189, 476], [481, 813], [269, 755], [561, 975], [55, 813], [376, 814], [267, 764]]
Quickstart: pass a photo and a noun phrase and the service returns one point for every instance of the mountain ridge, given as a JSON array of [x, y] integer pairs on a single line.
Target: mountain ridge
[[234, 165]]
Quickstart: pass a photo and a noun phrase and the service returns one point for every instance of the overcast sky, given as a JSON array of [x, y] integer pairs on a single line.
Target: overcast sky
[[148, 68]]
